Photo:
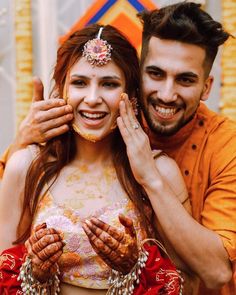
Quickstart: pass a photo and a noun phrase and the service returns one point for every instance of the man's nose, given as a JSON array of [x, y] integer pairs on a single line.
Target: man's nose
[[93, 97], [167, 92]]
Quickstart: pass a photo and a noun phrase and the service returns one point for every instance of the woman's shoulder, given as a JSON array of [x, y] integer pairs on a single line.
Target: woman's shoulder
[[21, 160]]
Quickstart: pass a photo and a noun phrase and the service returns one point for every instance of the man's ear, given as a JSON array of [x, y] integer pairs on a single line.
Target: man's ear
[[207, 88]]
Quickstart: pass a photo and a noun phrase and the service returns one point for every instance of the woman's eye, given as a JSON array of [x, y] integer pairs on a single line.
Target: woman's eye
[[111, 84], [78, 83]]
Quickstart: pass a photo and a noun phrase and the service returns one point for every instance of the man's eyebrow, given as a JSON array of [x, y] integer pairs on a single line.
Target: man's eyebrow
[[188, 74], [154, 68], [185, 74]]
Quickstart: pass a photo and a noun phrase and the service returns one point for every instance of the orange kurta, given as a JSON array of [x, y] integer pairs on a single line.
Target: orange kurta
[[205, 150]]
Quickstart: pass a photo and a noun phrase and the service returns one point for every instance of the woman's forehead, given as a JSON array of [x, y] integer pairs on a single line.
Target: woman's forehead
[[83, 68]]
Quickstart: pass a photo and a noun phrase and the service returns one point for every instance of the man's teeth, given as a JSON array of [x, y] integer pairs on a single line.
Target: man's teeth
[[165, 112], [93, 115]]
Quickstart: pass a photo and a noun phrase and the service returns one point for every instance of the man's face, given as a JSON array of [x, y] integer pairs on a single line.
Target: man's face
[[173, 83]]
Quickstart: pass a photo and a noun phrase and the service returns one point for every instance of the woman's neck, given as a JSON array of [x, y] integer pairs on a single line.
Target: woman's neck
[[94, 152]]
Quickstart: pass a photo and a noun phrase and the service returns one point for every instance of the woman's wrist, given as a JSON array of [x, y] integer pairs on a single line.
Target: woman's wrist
[[39, 284], [41, 275]]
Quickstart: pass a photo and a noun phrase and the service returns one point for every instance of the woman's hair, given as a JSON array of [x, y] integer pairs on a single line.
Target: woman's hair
[[60, 151]]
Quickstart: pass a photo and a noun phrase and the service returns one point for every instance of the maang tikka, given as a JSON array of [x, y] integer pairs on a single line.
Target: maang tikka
[[97, 51]]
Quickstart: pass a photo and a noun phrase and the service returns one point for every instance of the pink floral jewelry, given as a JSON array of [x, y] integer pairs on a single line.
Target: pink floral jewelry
[[97, 51]]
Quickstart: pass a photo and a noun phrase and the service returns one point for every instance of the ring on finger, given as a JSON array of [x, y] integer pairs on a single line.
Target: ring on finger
[[135, 125]]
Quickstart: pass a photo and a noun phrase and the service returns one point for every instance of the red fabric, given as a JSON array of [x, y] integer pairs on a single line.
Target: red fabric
[[159, 276], [10, 263]]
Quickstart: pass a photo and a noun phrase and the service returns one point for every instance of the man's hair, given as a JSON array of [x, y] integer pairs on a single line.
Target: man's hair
[[185, 22]]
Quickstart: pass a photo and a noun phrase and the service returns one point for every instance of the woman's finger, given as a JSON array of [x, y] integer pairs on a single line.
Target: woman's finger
[[108, 259], [45, 241], [123, 111], [123, 130], [34, 238], [132, 124], [100, 246], [102, 235], [46, 265], [50, 250], [40, 226], [111, 230], [128, 224], [109, 256]]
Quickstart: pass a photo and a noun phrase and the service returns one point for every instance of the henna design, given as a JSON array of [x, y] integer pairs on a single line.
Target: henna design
[[118, 249]]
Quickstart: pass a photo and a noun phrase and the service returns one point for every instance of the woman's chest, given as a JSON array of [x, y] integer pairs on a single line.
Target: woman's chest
[[87, 191]]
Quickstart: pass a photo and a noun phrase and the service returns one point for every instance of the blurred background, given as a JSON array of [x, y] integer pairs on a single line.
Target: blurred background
[[30, 31]]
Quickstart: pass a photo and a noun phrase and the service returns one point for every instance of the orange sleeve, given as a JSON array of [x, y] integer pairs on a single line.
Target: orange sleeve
[[3, 160], [219, 210]]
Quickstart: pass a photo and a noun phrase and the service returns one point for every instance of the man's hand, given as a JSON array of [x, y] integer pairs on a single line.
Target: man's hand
[[118, 249], [46, 118], [44, 247]]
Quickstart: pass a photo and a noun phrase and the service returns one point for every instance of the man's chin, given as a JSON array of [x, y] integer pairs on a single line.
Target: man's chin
[[165, 130], [164, 133]]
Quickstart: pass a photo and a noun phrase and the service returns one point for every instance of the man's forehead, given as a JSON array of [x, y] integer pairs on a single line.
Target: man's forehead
[[174, 55], [166, 46]]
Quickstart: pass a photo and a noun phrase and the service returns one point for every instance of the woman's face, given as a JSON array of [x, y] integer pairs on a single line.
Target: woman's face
[[94, 93]]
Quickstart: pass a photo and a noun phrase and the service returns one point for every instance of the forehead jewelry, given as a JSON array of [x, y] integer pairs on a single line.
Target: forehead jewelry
[[97, 51]]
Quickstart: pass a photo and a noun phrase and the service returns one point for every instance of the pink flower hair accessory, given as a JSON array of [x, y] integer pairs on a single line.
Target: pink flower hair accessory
[[97, 51]]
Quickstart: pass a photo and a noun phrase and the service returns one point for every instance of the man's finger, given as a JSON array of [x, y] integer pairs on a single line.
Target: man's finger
[[37, 89], [55, 132], [48, 111], [57, 122]]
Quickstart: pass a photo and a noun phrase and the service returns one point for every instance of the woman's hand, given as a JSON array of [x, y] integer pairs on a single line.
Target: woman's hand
[[137, 143], [118, 249], [44, 247]]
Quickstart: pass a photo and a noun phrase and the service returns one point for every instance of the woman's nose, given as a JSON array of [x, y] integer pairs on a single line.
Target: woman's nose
[[93, 97]]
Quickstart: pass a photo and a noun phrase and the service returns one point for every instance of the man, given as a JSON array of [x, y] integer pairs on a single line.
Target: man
[[180, 43], [179, 46]]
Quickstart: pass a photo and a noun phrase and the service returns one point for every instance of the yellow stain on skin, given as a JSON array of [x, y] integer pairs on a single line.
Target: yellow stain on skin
[[76, 175], [87, 136]]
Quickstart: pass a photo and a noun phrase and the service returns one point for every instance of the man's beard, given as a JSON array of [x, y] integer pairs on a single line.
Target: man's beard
[[163, 128]]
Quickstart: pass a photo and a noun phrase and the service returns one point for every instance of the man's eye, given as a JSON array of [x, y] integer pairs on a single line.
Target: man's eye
[[155, 74], [187, 81]]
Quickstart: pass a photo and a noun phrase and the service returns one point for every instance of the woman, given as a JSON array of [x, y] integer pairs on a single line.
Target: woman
[[95, 172]]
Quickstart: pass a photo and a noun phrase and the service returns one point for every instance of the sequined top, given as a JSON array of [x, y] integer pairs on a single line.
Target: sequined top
[[79, 264]]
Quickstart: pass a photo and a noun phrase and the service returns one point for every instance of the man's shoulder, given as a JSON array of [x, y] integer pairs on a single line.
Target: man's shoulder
[[217, 125]]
